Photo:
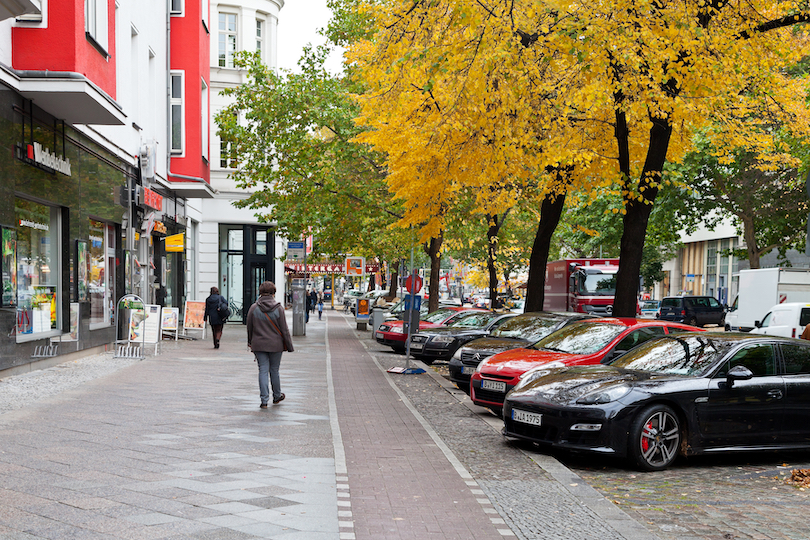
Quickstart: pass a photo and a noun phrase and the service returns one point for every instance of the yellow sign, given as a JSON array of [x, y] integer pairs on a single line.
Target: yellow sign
[[175, 242]]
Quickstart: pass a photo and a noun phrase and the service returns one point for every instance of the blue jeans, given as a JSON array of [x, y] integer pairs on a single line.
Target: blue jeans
[[269, 363]]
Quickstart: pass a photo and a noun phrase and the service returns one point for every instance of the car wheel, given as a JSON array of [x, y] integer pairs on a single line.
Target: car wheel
[[497, 411], [692, 321], [655, 438]]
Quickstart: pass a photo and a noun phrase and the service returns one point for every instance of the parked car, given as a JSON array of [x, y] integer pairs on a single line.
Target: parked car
[[519, 331], [787, 320], [648, 309], [434, 344], [595, 341], [392, 333], [682, 394], [693, 310]]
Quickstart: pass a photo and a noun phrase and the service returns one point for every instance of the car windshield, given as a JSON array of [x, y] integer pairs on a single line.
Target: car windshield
[[474, 319], [649, 305], [581, 338], [675, 355], [530, 327], [439, 315]]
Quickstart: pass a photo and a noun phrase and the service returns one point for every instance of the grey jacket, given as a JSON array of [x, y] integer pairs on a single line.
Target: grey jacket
[[261, 334]]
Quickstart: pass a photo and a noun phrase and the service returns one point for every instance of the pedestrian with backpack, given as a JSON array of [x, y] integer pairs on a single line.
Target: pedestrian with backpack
[[320, 308], [216, 313]]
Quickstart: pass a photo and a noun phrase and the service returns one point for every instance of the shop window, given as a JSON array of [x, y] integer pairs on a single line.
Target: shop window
[[38, 269], [101, 278]]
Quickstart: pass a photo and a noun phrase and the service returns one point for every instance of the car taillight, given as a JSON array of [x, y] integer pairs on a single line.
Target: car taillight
[[794, 333], [683, 313]]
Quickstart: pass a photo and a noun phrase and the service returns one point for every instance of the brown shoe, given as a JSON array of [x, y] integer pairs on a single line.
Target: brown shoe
[[264, 405], [281, 398]]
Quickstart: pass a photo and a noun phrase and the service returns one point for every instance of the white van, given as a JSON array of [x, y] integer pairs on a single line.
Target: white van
[[787, 320]]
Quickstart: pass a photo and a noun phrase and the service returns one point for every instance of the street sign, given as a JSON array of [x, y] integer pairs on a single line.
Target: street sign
[[296, 251], [355, 266], [412, 285]]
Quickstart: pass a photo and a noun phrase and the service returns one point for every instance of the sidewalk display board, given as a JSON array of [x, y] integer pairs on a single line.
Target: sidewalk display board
[[144, 325], [170, 320], [194, 317]]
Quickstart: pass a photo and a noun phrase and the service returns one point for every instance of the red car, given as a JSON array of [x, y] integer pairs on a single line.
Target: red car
[[594, 341], [392, 333]]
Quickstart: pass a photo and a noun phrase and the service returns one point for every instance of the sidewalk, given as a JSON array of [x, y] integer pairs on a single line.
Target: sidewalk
[[175, 446]]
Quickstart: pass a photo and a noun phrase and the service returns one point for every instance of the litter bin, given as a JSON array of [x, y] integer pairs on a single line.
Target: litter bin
[[377, 318]]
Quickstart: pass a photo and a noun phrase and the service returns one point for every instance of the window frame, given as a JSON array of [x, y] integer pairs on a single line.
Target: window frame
[[177, 101], [227, 34]]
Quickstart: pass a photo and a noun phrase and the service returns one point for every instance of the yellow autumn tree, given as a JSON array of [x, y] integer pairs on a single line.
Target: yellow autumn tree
[[527, 97]]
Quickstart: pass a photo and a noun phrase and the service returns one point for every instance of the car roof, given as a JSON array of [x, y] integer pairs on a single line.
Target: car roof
[[557, 315], [740, 337], [633, 322]]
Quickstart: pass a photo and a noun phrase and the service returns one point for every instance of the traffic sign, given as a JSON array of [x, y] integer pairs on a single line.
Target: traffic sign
[[412, 285], [296, 250]]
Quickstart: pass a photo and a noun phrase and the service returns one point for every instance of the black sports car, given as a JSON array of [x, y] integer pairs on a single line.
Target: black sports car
[[519, 331], [681, 394], [433, 344]]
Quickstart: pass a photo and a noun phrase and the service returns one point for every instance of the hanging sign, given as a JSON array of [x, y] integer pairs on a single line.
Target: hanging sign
[[175, 243], [355, 266]]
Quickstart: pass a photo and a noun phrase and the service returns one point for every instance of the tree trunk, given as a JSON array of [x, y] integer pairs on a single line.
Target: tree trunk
[[434, 252], [750, 241], [393, 285], [550, 213], [492, 253], [636, 218]]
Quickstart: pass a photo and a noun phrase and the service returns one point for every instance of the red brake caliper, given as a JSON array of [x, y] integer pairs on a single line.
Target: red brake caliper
[[645, 442]]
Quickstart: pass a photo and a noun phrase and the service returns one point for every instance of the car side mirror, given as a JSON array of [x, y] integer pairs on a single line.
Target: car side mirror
[[738, 373], [758, 324]]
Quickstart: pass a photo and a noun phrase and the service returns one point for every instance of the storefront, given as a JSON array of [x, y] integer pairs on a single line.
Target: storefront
[[77, 233]]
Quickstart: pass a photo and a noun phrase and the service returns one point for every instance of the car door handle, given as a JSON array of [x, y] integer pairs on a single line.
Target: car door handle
[[776, 394]]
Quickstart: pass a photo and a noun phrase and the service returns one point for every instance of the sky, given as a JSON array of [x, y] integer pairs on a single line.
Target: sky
[[298, 25]]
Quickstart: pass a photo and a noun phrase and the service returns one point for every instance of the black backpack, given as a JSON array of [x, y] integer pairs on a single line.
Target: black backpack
[[223, 311]]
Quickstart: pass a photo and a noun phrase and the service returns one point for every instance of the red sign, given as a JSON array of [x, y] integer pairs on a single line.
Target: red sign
[[152, 199], [413, 285], [326, 268]]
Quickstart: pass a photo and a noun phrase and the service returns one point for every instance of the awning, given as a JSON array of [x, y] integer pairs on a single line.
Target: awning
[[14, 8], [69, 96]]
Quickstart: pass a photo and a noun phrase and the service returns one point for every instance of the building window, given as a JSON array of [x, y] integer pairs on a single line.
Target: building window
[[204, 7], [204, 118], [177, 112], [176, 7], [227, 39], [95, 21], [38, 268], [226, 159], [102, 274], [260, 38]]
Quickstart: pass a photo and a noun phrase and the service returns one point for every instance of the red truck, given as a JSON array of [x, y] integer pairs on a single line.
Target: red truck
[[581, 285]]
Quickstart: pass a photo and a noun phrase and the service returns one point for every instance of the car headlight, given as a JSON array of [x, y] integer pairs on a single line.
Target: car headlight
[[443, 339], [480, 366], [604, 395], [457, 355], [397, 330]]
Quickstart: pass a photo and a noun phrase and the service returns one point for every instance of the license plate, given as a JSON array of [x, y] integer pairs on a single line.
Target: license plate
[[526, 417], [417, 346], [467, 370], [380, 335], [497, 386]]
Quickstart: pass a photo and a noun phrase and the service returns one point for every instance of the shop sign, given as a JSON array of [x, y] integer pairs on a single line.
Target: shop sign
[[175, 243], [151, 199], [160, 228], [41, 157], [326, 268]]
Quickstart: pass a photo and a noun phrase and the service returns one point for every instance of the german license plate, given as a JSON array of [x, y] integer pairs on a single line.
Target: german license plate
[[497, 386], [417, 346], [526, 417], [467, 370]]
